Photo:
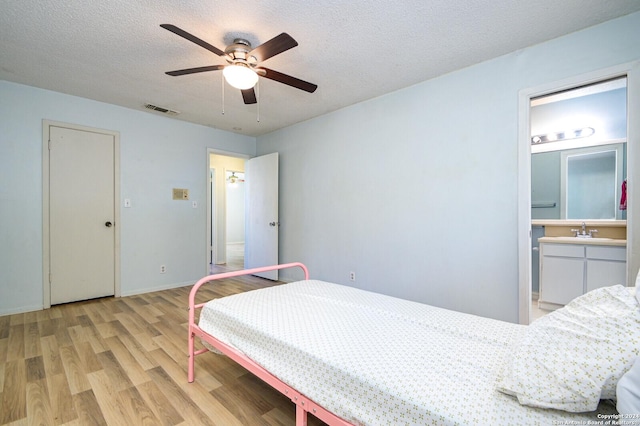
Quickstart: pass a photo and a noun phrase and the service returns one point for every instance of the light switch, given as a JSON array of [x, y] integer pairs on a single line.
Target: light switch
[[127, 202]]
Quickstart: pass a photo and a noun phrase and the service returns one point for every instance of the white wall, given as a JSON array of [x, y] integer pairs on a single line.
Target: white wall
[[156, 154], [417, 191]]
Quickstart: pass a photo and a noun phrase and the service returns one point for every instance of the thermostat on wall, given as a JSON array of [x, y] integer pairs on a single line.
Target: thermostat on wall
[[180, 194]]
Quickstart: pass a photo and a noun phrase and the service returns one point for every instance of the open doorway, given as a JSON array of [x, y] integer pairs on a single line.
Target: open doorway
[[234, 185], [226, 210], [578, 166], [526, 201]]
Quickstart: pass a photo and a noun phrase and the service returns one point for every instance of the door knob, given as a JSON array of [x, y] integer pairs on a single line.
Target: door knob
[[108, 224]]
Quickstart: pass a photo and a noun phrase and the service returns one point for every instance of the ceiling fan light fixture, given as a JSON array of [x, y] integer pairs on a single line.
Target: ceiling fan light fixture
[[240, 76]]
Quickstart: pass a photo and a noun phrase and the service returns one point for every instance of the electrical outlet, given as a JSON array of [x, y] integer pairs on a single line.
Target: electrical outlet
[[352, 276], [163, 269]]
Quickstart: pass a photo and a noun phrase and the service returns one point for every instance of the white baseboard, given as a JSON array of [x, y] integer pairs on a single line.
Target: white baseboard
[[158, 288], [21, 310]]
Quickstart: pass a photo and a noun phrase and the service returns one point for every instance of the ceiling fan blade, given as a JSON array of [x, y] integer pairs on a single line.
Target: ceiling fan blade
[[273, 47], [182, 33], [195, 70], [288, 80], [249, 96]]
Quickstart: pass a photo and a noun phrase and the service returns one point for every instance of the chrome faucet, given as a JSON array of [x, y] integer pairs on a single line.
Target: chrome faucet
[[583, 233]]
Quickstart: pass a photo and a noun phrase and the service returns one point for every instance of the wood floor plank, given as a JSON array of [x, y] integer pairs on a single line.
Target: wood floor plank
[[4, 348], [116, 374], [5, 323], [17, 319], [149, 312], [60, 331], [196, 391], [94, 338], [146, 342], [277, 417], [138, 351], [88, 409], [32, 340], [60, 399], [74, 369], [188, 408], [160, 405], [105, 392], [130, 321], [110, 329], [38, 406], [51, 355], [14, 405], [247, 413], [169, 346], [96, 314], [134, 371], [16, 342], [136, 407], [35, 369]]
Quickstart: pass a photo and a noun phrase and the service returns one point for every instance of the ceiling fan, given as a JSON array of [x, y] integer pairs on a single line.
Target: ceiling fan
[[242, 69]]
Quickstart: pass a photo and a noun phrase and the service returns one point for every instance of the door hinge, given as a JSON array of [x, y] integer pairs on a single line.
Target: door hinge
[[49, 145], [49, 277]]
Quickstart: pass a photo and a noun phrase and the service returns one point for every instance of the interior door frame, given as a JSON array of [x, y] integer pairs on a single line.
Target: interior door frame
[[213, 230], [632, 72], [46, 267]]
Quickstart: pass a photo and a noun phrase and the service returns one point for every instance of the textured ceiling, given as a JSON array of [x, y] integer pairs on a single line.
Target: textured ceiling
[[114, 51]]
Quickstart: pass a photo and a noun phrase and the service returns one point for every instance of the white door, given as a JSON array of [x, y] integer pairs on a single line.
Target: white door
[[261, 215], [81, 214]]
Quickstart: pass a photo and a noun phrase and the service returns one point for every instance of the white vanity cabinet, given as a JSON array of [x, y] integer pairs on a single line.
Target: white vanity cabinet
[[606, 266], [570, 270]]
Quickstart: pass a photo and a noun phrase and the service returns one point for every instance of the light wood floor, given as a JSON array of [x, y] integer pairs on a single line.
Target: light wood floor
[[123, 362]]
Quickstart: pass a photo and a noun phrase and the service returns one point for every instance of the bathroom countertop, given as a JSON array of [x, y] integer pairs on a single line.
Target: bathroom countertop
[[584, 241]]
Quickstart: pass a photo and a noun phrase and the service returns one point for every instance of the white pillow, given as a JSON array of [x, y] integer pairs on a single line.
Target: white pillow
[[628, 392], [573, 357]]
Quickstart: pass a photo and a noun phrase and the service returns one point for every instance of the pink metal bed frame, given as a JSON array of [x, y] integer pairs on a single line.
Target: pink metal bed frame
[[303, 404]]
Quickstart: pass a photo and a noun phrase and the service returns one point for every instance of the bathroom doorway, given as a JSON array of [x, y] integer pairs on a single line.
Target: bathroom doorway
[[525, 134], [578, 160]]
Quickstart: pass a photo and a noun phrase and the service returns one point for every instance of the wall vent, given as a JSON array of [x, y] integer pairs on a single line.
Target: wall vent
[[161, 109]]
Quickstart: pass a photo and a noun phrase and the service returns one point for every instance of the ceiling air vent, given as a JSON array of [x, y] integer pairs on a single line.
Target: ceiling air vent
[[161, 109]]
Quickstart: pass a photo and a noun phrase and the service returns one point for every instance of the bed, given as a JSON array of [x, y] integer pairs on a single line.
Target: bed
[[352, 357]]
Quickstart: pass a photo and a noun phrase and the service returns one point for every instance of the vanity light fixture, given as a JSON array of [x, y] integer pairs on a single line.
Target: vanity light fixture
[[563, 135]]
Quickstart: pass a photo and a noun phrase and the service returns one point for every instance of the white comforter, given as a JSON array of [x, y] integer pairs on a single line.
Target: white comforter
[[373, 359]]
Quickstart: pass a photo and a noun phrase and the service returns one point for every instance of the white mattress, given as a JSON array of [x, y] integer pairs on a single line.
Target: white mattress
[[373, 359]]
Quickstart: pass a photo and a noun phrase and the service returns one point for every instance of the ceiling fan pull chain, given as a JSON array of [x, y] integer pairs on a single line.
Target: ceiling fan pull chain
[[258, 98], [222, 79]]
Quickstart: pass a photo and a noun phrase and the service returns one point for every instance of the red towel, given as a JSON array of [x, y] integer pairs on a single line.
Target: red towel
[[623, 197]]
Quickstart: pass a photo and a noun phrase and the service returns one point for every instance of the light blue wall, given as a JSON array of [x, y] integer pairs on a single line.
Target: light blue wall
[[416, 191], [156, 155]]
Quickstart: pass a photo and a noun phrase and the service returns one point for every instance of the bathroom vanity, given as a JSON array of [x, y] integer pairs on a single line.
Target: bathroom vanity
[[572, 266]]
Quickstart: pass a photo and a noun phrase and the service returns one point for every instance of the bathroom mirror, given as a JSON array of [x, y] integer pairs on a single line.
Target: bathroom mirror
[[578, 161]]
